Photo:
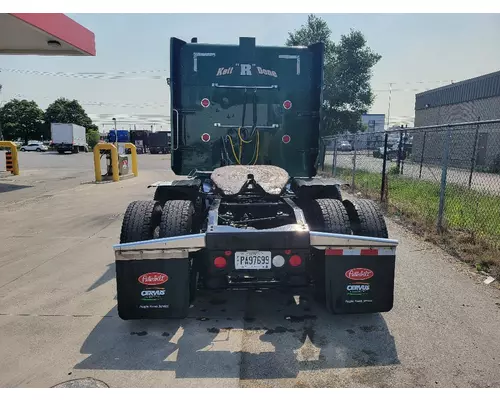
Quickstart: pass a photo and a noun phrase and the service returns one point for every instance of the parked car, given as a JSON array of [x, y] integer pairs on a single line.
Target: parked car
[[392, 151], [344, 145], [34, 147]]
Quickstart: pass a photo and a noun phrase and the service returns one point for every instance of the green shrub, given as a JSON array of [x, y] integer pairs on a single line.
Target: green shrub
[[93, 138]]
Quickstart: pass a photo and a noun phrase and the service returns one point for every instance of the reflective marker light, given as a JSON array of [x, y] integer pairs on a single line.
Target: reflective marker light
[[220, 262], [288, 252], [278, 261], [205, 137], [227, 253], [286, 139], [205, 102], [287, 104], [295, 260]]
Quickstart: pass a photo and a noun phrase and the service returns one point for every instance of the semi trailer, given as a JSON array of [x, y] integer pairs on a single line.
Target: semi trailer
[[249, 210]]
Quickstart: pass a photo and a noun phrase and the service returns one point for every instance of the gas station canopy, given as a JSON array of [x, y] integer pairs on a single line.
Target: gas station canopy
[[44, 34]]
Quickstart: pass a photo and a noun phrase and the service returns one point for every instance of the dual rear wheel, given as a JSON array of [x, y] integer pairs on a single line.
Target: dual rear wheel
[[146, 220], [358, 217]]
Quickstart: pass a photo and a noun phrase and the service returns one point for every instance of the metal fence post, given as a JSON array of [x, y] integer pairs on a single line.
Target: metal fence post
[[403, 150], [323, 154], [473, 158], [398, 163], [334, 162], [354, 164], [422, 156], [384, 166], [444, 171]]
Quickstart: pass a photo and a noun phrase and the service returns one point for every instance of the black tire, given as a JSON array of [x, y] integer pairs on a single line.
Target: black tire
[[366, 218], [329, 215], [325, 215], [38, 150], [60, 151], [177, 218], [140, 221], [23, 149]]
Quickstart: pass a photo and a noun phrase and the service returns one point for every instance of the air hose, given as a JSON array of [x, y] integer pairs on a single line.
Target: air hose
[[241, 130]]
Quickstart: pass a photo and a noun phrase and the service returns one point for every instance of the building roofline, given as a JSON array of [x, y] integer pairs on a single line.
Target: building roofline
[[470, 80]]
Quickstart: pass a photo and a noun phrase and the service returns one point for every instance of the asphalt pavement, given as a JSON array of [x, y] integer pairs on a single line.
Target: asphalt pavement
[[58, 319]]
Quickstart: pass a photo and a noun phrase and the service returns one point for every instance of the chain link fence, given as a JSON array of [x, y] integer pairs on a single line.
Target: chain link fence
[[445, 176]]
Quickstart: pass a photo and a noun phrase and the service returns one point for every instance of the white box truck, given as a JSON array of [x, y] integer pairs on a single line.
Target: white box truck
[[68, 137]]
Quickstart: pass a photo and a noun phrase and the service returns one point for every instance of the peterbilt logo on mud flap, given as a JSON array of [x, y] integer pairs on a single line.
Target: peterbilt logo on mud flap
[[359, 274], [153, 278]]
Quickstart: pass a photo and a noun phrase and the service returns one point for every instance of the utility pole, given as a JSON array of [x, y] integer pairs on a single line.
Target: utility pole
[[389, 110]]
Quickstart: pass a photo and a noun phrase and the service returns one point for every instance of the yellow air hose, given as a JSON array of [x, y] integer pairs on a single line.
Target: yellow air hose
[[256, 151]]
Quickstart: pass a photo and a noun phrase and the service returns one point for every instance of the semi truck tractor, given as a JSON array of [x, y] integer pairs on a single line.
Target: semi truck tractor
[[68, 137], [159, 142], [140, 139], [248, 209]]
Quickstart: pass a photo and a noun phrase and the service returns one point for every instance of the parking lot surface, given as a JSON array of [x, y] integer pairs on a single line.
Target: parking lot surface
[[58, 318]]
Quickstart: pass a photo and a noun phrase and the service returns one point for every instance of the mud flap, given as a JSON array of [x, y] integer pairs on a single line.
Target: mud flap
[[359, 283], [153, 288]]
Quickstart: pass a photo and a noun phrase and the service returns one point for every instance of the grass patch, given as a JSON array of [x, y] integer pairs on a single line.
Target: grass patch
[[471, 218]]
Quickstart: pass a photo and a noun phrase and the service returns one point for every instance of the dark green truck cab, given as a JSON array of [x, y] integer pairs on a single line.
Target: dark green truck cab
[[271, 94]]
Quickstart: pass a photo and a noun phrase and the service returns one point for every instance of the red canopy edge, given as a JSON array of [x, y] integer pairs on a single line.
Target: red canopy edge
[[63, 28]]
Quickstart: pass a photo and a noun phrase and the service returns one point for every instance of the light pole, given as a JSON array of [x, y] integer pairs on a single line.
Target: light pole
[[116, 135], [389, 111]]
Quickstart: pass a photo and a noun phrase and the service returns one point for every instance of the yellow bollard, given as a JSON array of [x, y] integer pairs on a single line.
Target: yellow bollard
[[133, 151], [97, 161], [15, 160]]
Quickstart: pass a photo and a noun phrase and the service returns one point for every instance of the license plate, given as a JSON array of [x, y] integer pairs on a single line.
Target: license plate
[[252, 260]]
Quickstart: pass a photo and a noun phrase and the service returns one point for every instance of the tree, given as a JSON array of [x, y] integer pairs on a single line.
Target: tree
[[348, 67], [67, 111], [93, 138], [21, 118]]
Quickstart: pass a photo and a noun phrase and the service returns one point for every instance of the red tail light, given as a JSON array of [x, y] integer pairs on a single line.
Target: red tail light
[[295, 260], [220, 262]]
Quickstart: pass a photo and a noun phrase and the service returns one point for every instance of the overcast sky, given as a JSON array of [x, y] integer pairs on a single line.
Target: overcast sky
[[419, 52]]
